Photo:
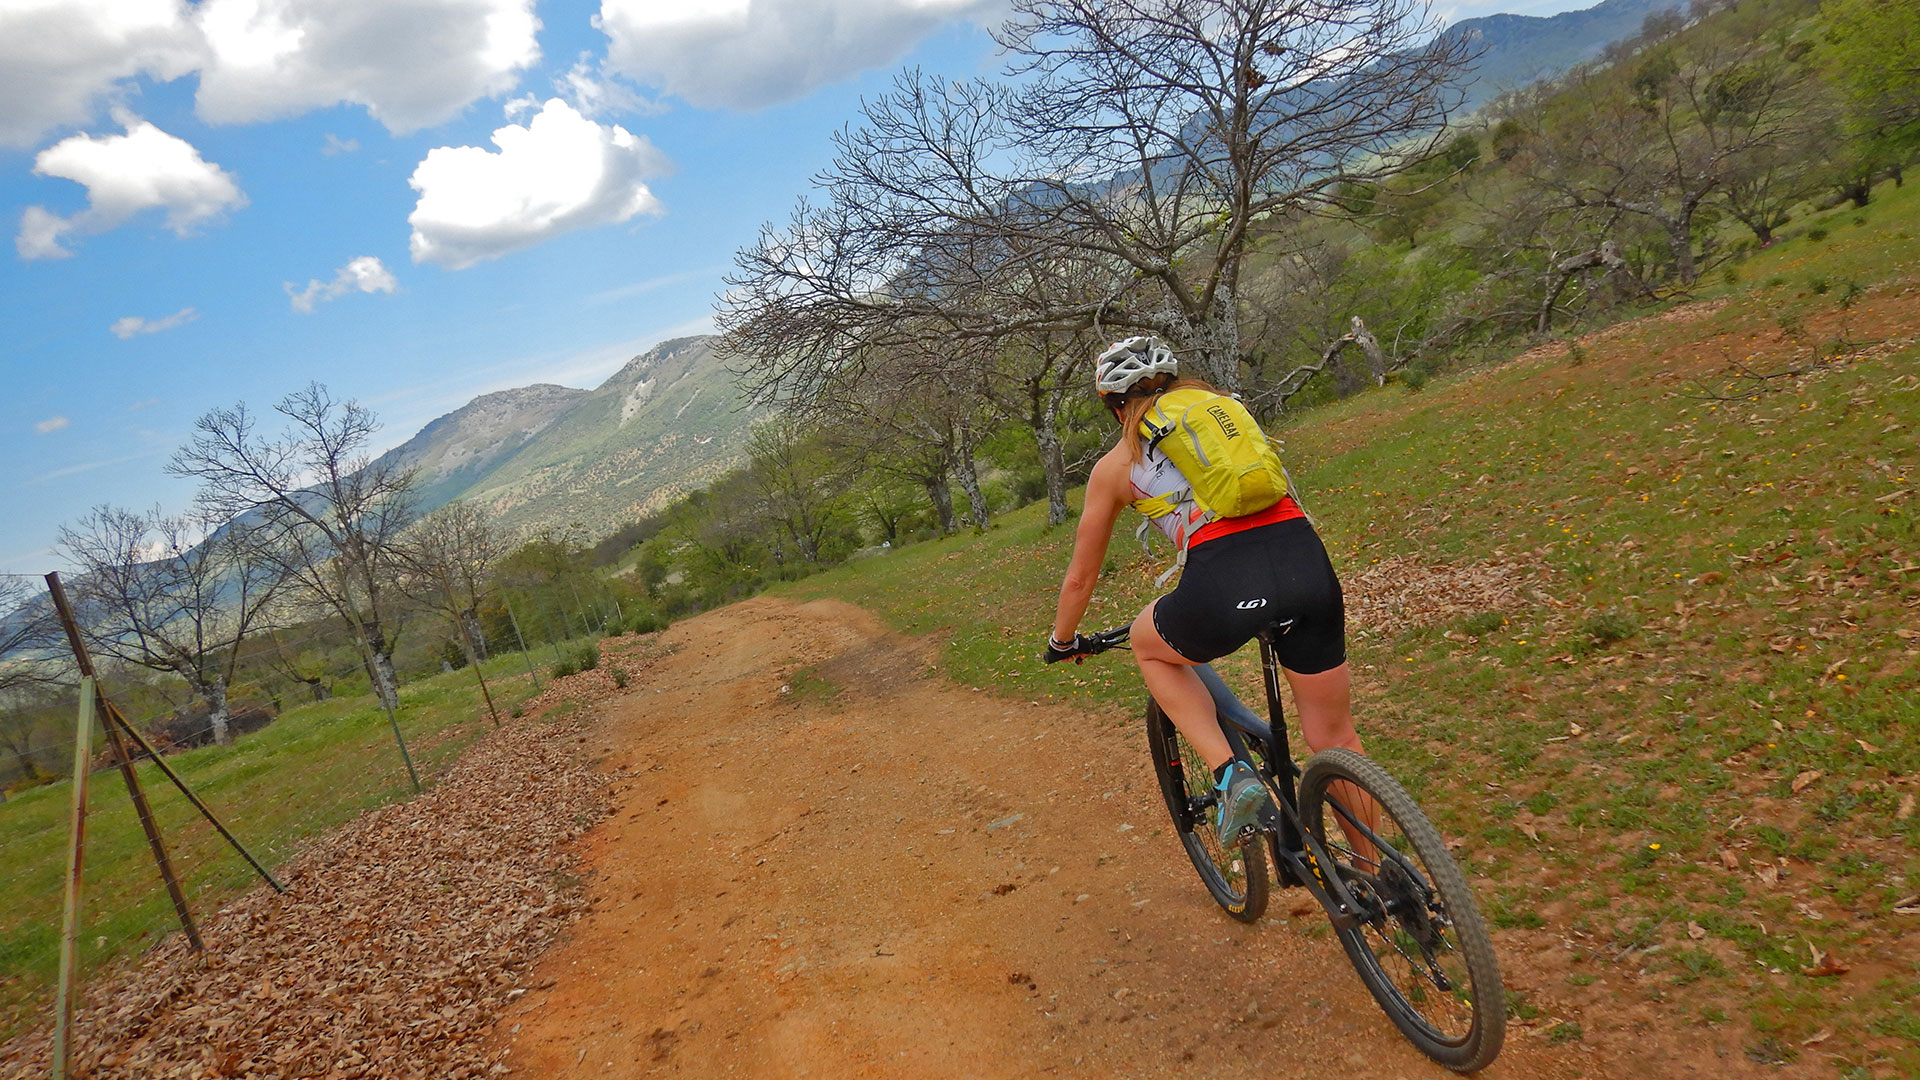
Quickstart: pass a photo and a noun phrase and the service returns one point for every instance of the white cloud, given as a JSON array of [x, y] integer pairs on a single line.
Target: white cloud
[[365, 274], [337, 145], [558, 173], [133, 324], [144, 169], [592, 89], [59, 59], [51, 424], [412, 63], [744, 54]]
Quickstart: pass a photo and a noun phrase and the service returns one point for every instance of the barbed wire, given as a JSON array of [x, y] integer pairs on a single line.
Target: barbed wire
[[308, 748]]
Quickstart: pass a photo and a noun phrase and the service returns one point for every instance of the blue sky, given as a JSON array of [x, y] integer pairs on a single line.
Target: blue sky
[[412, 201]]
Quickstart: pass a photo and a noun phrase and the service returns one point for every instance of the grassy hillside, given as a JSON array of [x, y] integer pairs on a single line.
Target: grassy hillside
[[1683, 759]]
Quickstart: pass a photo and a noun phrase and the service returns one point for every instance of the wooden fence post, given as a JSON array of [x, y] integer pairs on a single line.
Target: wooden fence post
[[76, 858], [125, 761]]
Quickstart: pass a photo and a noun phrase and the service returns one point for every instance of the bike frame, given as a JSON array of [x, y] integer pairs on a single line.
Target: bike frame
[[1297, 856]]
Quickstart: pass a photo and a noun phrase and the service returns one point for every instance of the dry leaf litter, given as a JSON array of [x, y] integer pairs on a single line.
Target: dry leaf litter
[[401, 937], [1403, 593]]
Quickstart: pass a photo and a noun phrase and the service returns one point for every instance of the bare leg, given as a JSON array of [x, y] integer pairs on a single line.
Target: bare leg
[[1325, 704], [1177, 687]]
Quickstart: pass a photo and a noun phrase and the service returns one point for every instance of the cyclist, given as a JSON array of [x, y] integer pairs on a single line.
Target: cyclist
[[1241, 575]]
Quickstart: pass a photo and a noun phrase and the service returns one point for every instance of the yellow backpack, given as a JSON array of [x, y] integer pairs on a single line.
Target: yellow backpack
[[1230, 467], [1216, 444]]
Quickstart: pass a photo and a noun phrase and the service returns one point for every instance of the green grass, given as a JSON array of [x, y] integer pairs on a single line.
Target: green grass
[[1731, 564], [315, 767]]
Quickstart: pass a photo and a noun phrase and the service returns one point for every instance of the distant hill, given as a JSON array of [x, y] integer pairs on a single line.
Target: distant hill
[[458, 450], [666, 423], [1521, 49]]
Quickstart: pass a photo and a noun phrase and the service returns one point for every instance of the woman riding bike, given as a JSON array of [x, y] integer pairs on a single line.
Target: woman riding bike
[[1241, 575]]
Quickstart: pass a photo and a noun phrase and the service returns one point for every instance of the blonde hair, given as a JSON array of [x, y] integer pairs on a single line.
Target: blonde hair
[[1136, 408]]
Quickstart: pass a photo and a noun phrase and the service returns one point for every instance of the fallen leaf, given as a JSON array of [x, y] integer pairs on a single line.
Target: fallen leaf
[[1809, 911], [1801, 782], [1906, 807], [1695, 930], [1824, 965], [1729, 860], [1817, 1037], [1575, 729], [1768, 875], [1867, 746]]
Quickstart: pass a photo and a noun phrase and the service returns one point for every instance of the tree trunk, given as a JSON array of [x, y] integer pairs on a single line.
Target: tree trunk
[[476, 638], [1680, 240], [942, 497], [1370, 345], [1053, 462], [213, 693], [970, 479], [380, 667]]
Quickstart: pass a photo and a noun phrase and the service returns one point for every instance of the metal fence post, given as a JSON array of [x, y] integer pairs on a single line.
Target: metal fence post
[[521, 638]]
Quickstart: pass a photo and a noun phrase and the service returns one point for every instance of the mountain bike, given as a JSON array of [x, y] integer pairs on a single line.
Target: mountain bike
[[1398, 903]]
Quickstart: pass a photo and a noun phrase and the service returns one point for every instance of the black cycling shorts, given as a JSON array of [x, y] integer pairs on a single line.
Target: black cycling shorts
[[1235, 585]]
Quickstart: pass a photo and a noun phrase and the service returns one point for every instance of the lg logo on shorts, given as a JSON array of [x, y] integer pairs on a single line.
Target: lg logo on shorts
[[1248, 605]]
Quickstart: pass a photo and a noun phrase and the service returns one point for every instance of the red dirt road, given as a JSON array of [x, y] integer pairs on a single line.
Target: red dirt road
[[910, 878]]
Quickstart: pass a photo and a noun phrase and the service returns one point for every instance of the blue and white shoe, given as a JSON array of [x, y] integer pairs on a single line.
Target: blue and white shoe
[[1238, 796]]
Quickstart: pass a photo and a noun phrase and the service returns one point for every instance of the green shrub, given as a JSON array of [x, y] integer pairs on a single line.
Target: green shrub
[[1610, 626], [576, 657], [645, 622], [619, 676], [1819, 285], [1816, 234]]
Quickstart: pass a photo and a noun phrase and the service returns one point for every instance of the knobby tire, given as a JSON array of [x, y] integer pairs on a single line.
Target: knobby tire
[[1237, 876], [1436, 926]]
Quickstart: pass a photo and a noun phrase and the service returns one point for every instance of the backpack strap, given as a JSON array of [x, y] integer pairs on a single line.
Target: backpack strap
[[1156, 506]]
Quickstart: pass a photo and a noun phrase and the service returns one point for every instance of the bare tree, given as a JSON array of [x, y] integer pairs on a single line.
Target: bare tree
[[28, 633], [171, 593], [450, 554], [1112, 183], [797, 485], [327, 514], [1661, 137]]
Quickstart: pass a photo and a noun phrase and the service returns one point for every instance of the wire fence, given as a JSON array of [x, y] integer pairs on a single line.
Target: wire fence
[[308, 746]]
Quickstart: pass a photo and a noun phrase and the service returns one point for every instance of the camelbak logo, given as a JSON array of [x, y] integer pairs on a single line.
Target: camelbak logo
[[1248, 605], [1226, 421]]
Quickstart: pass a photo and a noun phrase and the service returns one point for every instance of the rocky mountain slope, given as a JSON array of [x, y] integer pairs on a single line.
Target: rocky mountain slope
[[1520, 49], [459, 449], [664, 424]]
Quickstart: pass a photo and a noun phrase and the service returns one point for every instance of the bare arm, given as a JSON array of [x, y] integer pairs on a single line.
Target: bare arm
[[1107, 493]]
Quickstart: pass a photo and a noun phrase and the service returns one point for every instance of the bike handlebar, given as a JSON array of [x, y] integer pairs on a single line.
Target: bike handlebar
[[1115, 638]]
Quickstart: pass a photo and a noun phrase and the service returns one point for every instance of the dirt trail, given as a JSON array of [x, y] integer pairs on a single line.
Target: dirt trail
[[911, 878]]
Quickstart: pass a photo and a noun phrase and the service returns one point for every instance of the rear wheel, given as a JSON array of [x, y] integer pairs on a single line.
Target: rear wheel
[[1421, 946], [1236, 876]]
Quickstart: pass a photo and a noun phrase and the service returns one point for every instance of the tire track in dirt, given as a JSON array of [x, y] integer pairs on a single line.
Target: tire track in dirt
[[909, 878]]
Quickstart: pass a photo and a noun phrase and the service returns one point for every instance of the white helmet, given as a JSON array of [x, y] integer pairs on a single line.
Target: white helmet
[[1127, 362]]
